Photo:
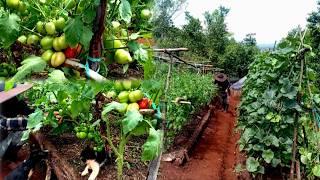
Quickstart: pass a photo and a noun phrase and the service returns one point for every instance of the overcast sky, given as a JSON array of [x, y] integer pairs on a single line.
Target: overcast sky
[[269, 19]]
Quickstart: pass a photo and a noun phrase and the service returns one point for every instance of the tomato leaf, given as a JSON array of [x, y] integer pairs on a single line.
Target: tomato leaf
[[252, 164], [111, 106], [35, 118], [141, 129], [86, 37], [29, 65], [56, 76], [152, 147], [76, 32], [131, 121], [140, 54], [125, 11], [9, 28]]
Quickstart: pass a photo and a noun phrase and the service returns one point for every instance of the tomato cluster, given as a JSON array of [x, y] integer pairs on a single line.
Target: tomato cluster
[[86, 131], [53, 42]]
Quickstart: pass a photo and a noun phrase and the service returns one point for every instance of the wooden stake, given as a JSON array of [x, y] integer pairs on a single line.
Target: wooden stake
[[98, 29]]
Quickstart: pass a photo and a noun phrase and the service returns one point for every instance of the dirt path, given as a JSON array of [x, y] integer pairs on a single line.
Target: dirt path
[[215, 155]]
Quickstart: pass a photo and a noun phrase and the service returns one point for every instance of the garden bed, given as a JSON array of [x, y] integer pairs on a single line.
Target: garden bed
[[69, 148]]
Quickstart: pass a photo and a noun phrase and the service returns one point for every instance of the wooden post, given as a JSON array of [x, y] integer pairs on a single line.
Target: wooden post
[[155, 164], [98, 29]]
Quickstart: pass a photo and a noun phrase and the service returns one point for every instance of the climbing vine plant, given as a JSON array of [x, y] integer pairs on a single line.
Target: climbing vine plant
[[279, 111]]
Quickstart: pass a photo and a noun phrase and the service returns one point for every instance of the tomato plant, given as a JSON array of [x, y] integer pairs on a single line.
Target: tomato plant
[[194, 87]]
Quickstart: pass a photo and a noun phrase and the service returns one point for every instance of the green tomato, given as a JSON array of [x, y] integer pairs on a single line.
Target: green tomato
[[99, 149], [135, 82], [133, 106], [81, 135], [32, 39], [135, 96], [145, 14], [127, 84], [122, 56], [50, 28], [118, 86], [40, 27], [77, 129], [13, 3], [46, 42], [90, 135], [123, 96], [122, 108], [47, 55], [22, 7], [69, 4], [57, 59], [59, 43], [112, 44], [22, 39], [60, 23], [62, 42], [55, 44], [111, 94]]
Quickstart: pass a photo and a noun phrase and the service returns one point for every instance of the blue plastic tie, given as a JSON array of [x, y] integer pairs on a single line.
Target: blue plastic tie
[[87, 63]]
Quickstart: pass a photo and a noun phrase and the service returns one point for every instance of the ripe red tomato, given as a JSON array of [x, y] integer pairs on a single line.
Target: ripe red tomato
[[70, 53], [144, 103], [73, 52]]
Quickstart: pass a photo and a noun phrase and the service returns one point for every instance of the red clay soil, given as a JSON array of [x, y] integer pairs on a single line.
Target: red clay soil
[[216, 154]]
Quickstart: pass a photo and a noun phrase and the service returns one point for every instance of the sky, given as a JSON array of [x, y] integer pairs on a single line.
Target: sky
[[271, 20]]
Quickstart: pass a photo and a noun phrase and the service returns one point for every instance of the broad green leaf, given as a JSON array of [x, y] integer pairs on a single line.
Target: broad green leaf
[[252, 164], [125, 11], [140, 54], [9, 28], [25, 135], [152, 147], [35, 119], [131, 120], [76, 32], [141, 129], [76, 108], [275, 162], [89, 15], [111, 106], [73, 31], [316, 170], [86, 37], [29, 65], [268, 155], [56, 76], [248, 134], [271, 140]]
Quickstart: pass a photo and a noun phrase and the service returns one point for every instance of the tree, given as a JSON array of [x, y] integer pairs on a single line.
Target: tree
[[193, 35], [216, 33], [163, 12]]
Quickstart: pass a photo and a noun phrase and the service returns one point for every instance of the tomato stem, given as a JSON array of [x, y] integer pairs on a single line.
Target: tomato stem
[[31, 30], [39, 9]]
